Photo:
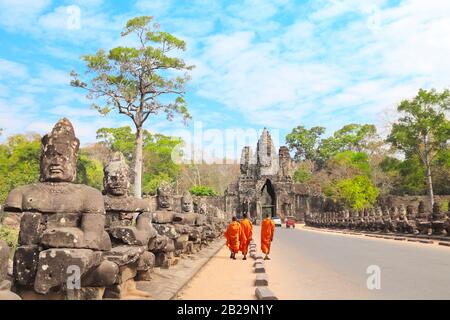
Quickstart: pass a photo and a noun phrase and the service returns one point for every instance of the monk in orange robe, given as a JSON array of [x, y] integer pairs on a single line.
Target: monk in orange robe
[[233, 236], [247, 232], [267, 230]]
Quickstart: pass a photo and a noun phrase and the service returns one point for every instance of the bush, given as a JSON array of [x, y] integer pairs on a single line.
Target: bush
[[10, 236], [358, 192], [302, 175], [202, 191]]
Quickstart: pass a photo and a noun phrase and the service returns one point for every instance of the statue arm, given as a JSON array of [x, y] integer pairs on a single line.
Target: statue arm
[[13, 202]]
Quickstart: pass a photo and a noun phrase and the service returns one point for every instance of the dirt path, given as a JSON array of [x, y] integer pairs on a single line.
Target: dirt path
[[222, 278]]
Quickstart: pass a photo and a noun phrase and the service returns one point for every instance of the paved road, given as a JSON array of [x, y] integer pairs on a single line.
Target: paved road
[[316, 265]]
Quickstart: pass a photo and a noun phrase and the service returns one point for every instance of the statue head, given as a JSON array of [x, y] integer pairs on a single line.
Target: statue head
[[394, 212], [402, 210], [116, 173], [59, 153], [378, 212], [410, 211], [165, 194], [421, 208], [437, 208], [186, 202]]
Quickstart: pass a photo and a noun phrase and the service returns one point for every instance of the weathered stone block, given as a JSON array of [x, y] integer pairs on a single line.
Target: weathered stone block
[[57, 265], [31, 228], [86, 293], [146, 261], [106, 274], [130, 235], [126, 273], [261, 280], [63, 238], [75, 238], [122, 255], [162, 217], [4, 256], [185, 218], [264, 293], [26, 260], [162, 260]]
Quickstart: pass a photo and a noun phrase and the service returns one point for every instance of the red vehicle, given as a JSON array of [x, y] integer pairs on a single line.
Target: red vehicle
[[290, 222]]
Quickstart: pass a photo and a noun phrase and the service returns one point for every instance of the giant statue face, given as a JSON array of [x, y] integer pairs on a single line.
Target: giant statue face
[[186, 202], [115, 180], [165, 196], [59, 154]]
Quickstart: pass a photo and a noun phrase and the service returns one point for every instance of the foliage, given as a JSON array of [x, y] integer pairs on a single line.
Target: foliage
[[10, 236], [157, 153], [152, 182], [351, 137], [202, 191], [19, 162], [118, 139], [308, 145], [90, 171], [158, 161], [355, 160], [423, 130], [302, 176], [357, 193], [305, 142]]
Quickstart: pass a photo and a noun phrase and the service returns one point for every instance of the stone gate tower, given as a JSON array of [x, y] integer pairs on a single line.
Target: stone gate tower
[[265, 184]]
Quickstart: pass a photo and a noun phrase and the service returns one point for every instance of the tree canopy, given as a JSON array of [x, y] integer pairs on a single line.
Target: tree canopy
[[139, 81]]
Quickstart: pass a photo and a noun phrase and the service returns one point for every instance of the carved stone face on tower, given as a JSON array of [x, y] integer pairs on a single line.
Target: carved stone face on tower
[[59, 153], [165, 194], [187, 203], [116, 173]]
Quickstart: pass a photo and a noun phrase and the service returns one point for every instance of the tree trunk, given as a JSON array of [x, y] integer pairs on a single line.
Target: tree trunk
[[138, 162], [429, 184], [426, 160]]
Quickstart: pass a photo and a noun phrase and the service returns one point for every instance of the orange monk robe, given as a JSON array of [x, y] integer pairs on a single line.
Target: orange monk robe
[[267, 230], [247, 231], [233, 235]]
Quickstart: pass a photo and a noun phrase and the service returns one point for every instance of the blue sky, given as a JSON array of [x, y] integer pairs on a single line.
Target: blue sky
[[273, 63]]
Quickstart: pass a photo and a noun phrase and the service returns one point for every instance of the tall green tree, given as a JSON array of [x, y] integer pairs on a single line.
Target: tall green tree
[[423, 129], [351, 137], [137, 81], [305, 142]]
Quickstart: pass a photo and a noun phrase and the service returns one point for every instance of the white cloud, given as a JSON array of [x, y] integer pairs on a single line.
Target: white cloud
[[21, 15], [354, 70], [155, 7], [11, 69]]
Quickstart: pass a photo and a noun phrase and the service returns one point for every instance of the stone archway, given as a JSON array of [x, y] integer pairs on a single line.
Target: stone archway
[[268, 199]]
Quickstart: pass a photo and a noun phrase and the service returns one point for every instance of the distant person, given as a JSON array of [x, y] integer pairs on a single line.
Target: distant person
[[247, 233], [233, 236], [267, 230]]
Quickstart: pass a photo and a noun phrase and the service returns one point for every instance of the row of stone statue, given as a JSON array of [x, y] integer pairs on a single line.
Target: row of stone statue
[[396, 219], [77, 243]]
